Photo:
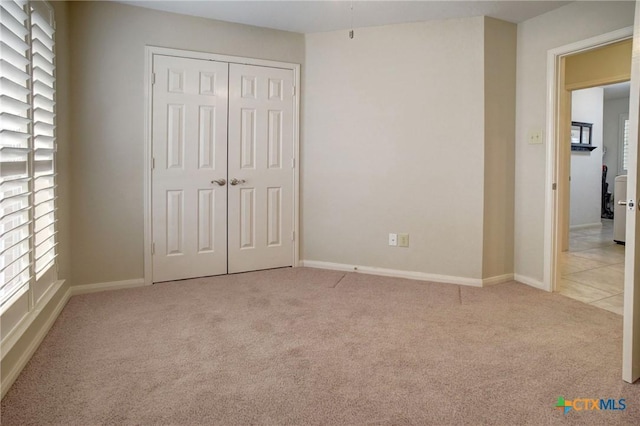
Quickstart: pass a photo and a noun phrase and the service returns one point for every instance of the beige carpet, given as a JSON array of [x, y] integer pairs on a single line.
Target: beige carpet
[[304, 346]]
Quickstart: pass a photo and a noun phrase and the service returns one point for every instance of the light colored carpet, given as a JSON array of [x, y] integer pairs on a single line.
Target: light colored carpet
[[304, 346]]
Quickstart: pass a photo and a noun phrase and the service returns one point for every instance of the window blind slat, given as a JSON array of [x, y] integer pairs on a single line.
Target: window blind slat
[[48, 73], [13, 73], [22, 257], [13, 122], [38, 34], [13, 223], [42, 167], [41, 75], [15, 10], [42, 128], [40, 101], [41, 115], [40, 48], [24, 209], [41, 141], [16, 24], [12, 39], [41, 61], [44, 250], [14, 57], [9, 237], [12, 89], [43, 90], [16, 143], [23, 240], [39, 21], [17, 278], [12, 104]]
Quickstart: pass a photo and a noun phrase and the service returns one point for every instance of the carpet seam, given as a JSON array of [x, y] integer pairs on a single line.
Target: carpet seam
[[339, 281]]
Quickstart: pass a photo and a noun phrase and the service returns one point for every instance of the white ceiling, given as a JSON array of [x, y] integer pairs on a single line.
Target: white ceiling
[[306, 16]]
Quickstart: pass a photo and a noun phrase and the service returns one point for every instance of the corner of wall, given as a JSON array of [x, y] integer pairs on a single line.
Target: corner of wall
[[500, 44]]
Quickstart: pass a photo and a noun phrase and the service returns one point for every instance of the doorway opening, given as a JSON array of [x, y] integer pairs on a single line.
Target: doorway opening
[[590, 64], [592, 263]]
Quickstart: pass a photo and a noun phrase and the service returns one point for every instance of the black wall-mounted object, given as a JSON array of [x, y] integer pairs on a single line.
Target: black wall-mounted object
[[581, 136]]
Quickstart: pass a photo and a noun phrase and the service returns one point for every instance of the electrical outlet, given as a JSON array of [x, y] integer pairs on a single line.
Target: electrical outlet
[[403, 240], [393, 239]]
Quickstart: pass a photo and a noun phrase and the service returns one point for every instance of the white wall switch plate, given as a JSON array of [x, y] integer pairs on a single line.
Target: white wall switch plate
[[393, 239], [535, 137], [403, 240]]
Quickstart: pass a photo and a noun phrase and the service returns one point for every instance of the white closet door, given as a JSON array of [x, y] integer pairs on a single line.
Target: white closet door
[[260, 213], [190, 153]]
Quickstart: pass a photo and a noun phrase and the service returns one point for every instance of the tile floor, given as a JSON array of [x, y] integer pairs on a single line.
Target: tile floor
[[592, 271]]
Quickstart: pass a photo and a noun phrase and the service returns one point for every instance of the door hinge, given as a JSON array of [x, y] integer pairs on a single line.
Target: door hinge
[[293, 235], [293, 163], [294, 90], [153, 163], [153, 78], [153, 248], [554, 186]]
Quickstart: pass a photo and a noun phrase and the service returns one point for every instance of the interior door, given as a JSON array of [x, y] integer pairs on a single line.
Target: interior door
[[260, 220], [189, 192], [631, 327]]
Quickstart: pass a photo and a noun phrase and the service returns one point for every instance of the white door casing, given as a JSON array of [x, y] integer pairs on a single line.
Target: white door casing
[[261, 159], [189, 152]]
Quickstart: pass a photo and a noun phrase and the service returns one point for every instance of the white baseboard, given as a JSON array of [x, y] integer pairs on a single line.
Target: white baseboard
[[498, 279], [113, 285], [412, 275], [530, 281], [12, 375], [586, 226]]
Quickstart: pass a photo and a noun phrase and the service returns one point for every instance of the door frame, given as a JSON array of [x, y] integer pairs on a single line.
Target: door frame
[[150, 51], [554, 167]]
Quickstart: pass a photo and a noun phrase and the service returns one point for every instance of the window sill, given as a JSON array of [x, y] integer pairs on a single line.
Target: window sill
[[23, 325]]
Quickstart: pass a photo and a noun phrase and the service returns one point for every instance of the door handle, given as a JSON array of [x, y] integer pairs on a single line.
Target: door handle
[[235, 181], [220, 182], [622, 203]]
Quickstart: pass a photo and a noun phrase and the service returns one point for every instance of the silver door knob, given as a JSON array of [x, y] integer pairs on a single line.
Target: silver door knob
[[221, 182], [622, 203], [235, 181]]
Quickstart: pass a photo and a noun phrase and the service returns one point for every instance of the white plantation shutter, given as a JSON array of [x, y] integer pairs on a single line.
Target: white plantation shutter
[[15, 149], [43, 77], [27, 148]]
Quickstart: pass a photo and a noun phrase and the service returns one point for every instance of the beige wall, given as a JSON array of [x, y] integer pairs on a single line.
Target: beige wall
[[107, 45], [499, 149], [393, 142], [394, 113], [573, 22]]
